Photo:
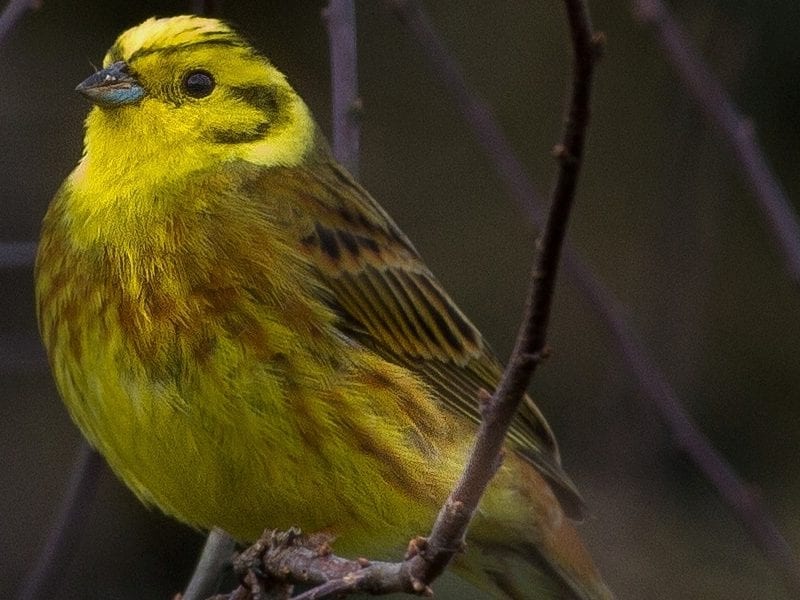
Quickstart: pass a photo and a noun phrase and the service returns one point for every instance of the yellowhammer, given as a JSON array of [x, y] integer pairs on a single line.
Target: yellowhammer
[[251, 342]]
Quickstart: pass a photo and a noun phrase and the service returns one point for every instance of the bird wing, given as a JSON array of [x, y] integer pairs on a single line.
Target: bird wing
[[390, 302]]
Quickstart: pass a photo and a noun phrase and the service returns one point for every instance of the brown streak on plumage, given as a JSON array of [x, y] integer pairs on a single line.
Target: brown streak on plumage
[[390, 302]]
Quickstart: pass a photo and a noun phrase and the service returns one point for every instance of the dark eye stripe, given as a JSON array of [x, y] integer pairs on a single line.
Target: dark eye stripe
[[262, 97], [232, 136]]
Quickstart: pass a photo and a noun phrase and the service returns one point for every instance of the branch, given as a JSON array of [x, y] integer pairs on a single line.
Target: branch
[[688, 437], [216, 554], [13, 12], [654, 385], [290, 557], [475, 111], [17, 255], [208, 8], [340, 19], [67, 528], [279, 558], [719, 109]]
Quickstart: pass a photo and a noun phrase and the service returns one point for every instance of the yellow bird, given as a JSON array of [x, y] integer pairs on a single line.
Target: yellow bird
[[250, 340]]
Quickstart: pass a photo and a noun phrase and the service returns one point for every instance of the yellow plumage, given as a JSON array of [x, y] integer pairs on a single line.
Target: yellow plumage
[[250, 340]]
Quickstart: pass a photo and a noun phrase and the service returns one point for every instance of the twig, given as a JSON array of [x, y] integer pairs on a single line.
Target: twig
[[206, 7], [652, 381], [719, 109], [473, 108], [340, 19], [67, 528], [447, 536], [286, 557], [17, 255], [13, 12], [688, 437], [217, 552]]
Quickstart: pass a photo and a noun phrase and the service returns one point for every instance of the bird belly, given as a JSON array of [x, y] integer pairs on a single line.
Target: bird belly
[[217, 431]]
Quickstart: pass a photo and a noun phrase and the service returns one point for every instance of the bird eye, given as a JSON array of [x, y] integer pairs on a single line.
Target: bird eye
[[198, 84]]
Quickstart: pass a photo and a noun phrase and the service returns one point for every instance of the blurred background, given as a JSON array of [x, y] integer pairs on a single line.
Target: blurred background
[[664, 217]]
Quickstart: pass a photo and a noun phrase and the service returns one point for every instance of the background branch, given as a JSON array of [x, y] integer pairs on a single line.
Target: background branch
[[340, 19], [206, 7], [67, 527], [216, 555], [14, 255], [475, 111], [687, 437], [718, 108], [17, 255], [13, 12]]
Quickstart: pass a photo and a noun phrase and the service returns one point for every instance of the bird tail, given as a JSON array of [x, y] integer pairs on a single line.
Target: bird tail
[[521, 545], [519, 572]]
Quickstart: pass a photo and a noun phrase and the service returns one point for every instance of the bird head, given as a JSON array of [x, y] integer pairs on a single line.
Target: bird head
[[186, 93]]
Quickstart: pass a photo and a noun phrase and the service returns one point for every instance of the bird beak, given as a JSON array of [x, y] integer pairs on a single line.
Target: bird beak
[[112, 86]]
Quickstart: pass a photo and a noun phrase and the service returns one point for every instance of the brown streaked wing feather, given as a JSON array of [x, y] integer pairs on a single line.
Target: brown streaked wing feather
[[391, 302]]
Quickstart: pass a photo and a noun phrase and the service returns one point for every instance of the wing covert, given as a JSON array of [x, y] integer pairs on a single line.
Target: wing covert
[[390, 302]]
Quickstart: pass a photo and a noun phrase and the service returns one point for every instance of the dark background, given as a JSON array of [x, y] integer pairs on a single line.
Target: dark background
[[663, 217]]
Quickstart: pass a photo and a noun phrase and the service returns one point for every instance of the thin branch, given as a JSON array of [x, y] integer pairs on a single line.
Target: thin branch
[[13, 12], [17, 255], [652, 381], [217, 553], [473, 108], [208, 8], [288, 557], [340, 19], [280, 560], [687, 436], [67, 528], [719, 109]]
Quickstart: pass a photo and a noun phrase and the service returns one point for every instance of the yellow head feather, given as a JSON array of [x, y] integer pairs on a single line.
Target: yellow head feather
[[163, 34], [250, 114]]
